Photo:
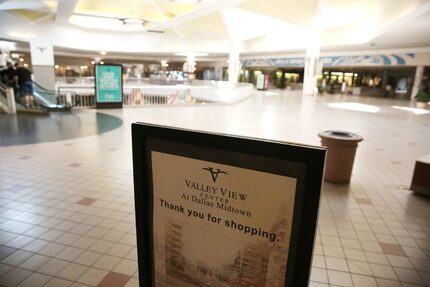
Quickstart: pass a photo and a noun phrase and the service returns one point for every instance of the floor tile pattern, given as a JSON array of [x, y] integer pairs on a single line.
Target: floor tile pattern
[[67, 208]]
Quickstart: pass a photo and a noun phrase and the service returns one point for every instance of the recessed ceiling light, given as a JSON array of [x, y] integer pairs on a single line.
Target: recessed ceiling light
[[103, 53]]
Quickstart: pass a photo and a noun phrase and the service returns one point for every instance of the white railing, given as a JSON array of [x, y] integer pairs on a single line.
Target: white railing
[[74, 80], [156, 95], [77, 96], [143, 94], [154, 80]]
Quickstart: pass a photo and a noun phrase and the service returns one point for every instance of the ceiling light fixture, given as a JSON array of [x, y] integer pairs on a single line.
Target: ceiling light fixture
[[188, 2], [132, 21]]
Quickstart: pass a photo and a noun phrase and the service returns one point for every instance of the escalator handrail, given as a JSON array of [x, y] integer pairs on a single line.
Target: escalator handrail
[[48, 99], [35, 84], [3, 87]]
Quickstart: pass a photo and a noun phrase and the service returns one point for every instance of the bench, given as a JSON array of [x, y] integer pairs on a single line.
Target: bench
[[421, 177]]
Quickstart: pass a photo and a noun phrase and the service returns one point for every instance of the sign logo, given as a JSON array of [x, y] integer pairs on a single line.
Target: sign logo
[[214, 172], [42, 49]]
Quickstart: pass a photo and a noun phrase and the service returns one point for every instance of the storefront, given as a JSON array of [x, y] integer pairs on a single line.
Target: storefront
[[280, 78], [387, 82], [382, 75]]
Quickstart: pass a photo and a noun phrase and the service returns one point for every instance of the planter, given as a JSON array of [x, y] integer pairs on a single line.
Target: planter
[[422, 105], [341, 148]]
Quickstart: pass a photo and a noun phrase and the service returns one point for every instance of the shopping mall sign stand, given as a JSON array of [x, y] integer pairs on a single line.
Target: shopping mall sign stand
[[108, 85], [219, 210]]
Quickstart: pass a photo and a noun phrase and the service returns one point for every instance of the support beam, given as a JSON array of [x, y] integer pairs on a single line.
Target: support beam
[[42, 61], [233, 64], [203, 9], [65, 9], [419, 73], [43, 18], [165, 18], [312, 54]]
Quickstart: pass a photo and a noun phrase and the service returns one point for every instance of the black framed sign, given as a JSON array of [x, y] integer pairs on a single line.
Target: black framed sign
[[108, 85], [218, 210]]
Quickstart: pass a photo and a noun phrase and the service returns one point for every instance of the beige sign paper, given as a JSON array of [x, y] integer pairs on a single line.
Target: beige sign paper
[[217, 225]]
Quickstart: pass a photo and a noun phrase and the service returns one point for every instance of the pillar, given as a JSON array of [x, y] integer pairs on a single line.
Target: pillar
[[164, 66], [417, 81], [310, 75], [190, 66], [384, 83], [42, 61], [233, 64], [312, 54], [218, 73]]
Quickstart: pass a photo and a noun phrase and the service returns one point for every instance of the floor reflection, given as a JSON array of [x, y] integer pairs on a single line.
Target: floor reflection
[[33, 128]]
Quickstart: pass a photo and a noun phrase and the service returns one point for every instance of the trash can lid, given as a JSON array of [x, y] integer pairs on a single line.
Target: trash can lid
[[340, 135]]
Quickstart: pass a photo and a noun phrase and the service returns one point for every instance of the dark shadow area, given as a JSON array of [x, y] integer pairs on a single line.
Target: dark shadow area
[[32, 128]]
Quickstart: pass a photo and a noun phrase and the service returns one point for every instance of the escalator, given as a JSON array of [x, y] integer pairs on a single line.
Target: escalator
[[47, 99], [4, 105], [41, 101]]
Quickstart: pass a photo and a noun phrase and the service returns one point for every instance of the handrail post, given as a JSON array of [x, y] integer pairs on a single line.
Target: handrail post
[[11, 101]]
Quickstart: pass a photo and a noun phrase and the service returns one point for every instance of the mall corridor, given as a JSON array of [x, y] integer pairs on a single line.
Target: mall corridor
[[67, 204]]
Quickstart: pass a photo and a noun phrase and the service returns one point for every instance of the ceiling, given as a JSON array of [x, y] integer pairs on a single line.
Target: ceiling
[[215, 26]]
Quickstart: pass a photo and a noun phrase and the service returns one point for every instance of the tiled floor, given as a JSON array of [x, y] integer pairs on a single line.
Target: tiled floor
[[67, 209]]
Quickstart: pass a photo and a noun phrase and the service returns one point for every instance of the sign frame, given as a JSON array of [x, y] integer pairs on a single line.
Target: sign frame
[[104, 104], [199, 145]]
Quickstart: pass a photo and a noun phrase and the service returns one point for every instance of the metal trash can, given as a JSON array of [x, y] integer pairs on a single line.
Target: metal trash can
[[341, 147]]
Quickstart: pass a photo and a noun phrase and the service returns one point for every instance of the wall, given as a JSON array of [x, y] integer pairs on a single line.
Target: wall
[[45, 76]]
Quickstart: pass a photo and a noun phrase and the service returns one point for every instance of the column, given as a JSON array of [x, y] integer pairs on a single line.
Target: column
[[218, 73], [42, 61], [312, 54], [233, 64], [310, 75], [384, 83], [417, 81], [190, 66], [164, 65]]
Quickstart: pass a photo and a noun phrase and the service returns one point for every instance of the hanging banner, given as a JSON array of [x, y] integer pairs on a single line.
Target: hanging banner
[[214, 210], [108, 84]]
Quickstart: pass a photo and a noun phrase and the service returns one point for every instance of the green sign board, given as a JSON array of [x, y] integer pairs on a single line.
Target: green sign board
[[108, 85]]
